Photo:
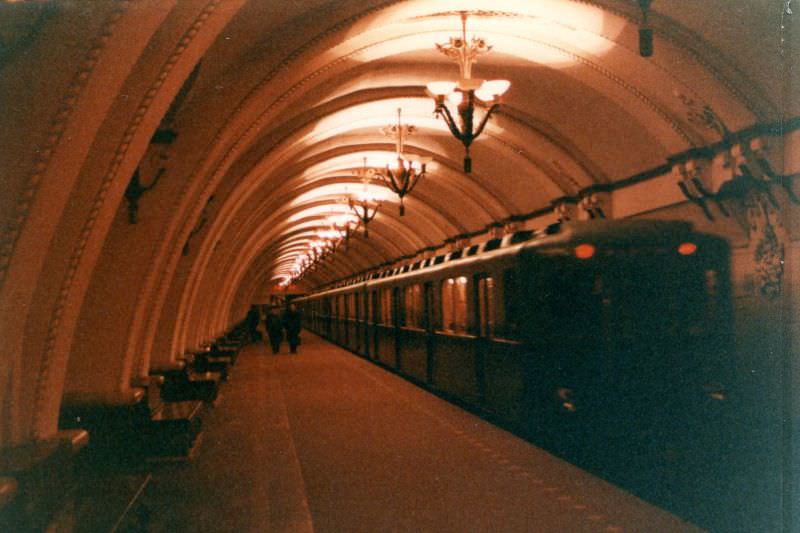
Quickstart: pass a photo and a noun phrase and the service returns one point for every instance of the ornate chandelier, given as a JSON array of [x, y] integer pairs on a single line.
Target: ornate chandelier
[[409, 170], [466, 92], [344, 223], [365, 204]]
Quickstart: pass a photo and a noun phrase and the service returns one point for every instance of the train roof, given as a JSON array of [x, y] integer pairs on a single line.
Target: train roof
[[625, 232]]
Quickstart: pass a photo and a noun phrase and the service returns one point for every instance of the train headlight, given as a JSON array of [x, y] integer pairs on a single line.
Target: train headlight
[[584, 251], [716, 391], [565, 394], [687, 248]]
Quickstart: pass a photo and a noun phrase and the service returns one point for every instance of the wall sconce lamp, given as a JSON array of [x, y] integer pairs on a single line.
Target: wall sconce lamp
[[467, 92], [136, 190], [409, 170], [198, 227]]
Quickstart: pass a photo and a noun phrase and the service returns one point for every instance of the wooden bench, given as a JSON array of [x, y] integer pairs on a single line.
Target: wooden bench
[[182, 384], [175, 430], [116, 429], [208, 361], [127, 434], [226, 349]]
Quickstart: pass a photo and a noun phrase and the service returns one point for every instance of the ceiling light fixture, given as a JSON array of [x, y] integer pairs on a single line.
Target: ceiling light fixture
[[365, 205], [467, 91], [410, 169]]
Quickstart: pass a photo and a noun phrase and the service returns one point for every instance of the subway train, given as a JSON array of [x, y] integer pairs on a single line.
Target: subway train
[[606, 342]]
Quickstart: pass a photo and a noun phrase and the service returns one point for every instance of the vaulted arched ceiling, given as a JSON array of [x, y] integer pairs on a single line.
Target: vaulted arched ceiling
[[251, 120], [584, 109]]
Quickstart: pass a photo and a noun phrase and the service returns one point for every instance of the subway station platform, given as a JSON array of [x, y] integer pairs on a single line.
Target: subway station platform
[[325, 441]]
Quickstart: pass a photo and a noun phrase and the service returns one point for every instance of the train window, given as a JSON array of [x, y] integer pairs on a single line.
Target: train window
[[493, 244], [456, 254], [412, 305], [454, 305], [521, 236], [473, 249], [438, 260], [486, 320], [386, 306], [416, 265]]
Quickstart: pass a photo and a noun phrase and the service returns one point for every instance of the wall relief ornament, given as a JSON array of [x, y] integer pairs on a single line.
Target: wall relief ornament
[[768, 252]]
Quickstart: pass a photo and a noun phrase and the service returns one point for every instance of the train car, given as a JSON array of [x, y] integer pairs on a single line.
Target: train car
[[606, 342]]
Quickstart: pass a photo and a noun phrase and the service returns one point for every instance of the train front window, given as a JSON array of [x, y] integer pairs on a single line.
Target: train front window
[[454, 305]]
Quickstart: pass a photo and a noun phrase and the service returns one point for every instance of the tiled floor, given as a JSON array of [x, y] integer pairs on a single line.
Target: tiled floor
[[325, 441]]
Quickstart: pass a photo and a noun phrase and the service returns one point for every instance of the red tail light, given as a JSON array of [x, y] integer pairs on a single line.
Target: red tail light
[[687, 248], [584, 251]]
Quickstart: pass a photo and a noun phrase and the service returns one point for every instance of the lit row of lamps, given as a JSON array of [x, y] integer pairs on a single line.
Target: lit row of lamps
[[465, 94]]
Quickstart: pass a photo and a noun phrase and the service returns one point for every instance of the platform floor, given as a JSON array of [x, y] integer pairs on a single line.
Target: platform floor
[[325, 441]]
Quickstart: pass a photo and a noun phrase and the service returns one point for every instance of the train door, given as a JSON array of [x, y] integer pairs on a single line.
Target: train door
[[373, 329], [363, 318], [346, 320], [326, 319], [484, 308], [355, 340], [396, 321], [428, 322], [368, 313], [341, 314], [361, 321]]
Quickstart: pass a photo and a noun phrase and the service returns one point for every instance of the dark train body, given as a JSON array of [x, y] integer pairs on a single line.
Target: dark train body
[[605, 342]]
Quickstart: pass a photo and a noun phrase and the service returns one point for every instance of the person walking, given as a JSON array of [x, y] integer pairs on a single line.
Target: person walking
[[291, 322], [274, 329]]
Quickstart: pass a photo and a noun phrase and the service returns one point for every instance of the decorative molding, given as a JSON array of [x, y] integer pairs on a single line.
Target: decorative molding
[[703, 116], [69, 101], [769, 258], [110, 176]]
